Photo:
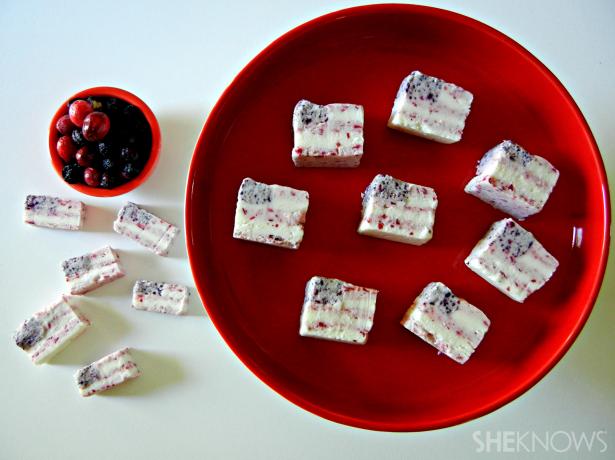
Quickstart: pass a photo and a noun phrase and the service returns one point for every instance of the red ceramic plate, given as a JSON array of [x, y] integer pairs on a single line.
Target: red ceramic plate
[[254, 293]]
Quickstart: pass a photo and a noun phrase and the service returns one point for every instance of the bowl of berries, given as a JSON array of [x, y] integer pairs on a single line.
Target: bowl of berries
[[104, 141]]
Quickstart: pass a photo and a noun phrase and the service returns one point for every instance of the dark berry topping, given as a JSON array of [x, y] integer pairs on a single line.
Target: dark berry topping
[[326, 291], [514, 240], [254, 192], [444, 299], [423, 87], [133, 213], [149, 287], [387, 188], [87, 376], [309, 113], [31, 332], [517, 153], [76, 265]]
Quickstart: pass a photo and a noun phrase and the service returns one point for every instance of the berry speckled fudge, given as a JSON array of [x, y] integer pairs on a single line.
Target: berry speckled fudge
[[512, 260], [50, 330], [145, 228], [451, 324], [432, 108], [52, 212], [336, 310], [329, 136], [513, 180], [398, 211], [270, 214], [107, 372], [160, 297], [90, 271]]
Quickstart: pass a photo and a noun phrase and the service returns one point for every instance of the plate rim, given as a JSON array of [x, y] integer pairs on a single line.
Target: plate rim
[[539, 373]]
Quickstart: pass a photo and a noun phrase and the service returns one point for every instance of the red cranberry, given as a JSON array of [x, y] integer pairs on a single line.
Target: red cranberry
[[78, 110], [84, 157], [65, 126], [91, 177], [95, 126], [66, 148]]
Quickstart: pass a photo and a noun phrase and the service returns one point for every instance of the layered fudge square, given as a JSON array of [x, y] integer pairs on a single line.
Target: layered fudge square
[[52, 212], [92, 270], [432, 108], [336, 310], [107, 372], [50, 330], [270, 214], [513, 180], [449, 323], [512, 259], [327, 136], [398, 211], [160, 297]]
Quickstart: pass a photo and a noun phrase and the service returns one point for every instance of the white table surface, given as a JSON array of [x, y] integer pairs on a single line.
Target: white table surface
[[196, 400]]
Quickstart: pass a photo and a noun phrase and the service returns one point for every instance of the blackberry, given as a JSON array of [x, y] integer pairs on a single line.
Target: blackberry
[[129, 154], [78, 138], [130, 171], [106, 149], [72, 173], [108, 180], [108, 164]]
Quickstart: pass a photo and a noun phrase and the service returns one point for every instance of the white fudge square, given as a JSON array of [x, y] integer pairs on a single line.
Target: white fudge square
[[512, 259], [52, 212], [328, 136], [398, 211], [336, 310], [159, 297], [50, 330], [107, 372], [145, 228], [92, 270], [270, 214], [432, 108], [513, 180], [449, 323]]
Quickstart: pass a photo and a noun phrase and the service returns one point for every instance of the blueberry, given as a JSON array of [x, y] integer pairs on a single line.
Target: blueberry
[[106, 149], [72, 173], [108, 180], [130, 171], [108, 164], [78, 138]]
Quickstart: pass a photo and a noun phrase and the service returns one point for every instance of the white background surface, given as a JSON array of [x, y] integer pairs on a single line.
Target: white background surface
[[195, 399]]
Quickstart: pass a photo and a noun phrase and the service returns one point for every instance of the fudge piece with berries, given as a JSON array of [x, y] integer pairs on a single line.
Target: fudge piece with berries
[[270, 214], [336, 310], [145, 228], [52, 212], [398, 211], [160, 297], [90, 271], [513, 180], [432, 108], [328, 136], [50, 330], [107, 372], [449, 323], [512, 259]]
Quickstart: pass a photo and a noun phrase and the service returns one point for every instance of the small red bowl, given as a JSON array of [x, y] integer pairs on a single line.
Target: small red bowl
[[107, 91]]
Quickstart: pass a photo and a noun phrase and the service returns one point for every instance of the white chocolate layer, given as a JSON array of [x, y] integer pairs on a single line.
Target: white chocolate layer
[[512, 180], [512, 259], [398, 211], [450, 324], [52, 212], [270, 214], [335, 310], [50, 330], [329, 136], [432, 108]]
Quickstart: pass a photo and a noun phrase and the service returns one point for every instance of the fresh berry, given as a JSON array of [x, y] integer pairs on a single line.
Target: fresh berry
[[78, 138], [130, 171], [91, 177], [65, 126], [113, 106], [78, 111], [96, 126], [129, 155], [66, 148], [108, 164], [105, 149], [72, 173], [107, 180], [84, 157]]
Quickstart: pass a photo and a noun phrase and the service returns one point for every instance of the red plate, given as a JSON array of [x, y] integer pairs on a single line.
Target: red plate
[[254, 293]]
